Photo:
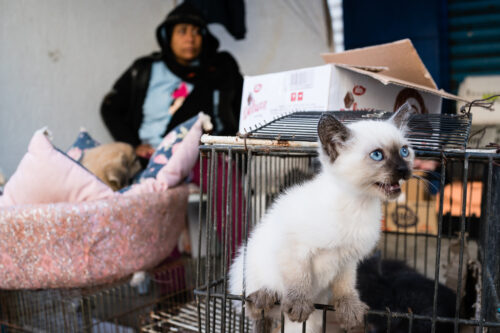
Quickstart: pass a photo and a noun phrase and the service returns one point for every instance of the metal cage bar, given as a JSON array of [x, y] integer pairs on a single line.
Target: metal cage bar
[[270, 169], [117, 306], [426, 132]]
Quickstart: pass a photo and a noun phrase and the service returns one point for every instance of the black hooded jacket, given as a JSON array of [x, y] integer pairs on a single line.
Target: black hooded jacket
[[122, 107]]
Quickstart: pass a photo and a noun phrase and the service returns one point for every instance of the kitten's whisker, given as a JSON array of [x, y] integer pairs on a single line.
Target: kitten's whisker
[[426, 182], [425, 171]]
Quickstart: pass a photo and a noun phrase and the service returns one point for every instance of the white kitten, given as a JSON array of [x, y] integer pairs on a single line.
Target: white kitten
[[308, 244]]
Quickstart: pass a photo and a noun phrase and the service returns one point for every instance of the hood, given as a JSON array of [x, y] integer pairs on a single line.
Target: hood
[[186, 13]]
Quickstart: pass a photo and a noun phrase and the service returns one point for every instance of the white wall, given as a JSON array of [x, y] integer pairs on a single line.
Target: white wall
[[281, 35], [57, 60], [59, 57]]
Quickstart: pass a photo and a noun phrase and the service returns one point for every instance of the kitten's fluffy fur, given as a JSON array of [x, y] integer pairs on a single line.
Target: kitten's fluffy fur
[[392, 284], [114, 163], [311, 239]]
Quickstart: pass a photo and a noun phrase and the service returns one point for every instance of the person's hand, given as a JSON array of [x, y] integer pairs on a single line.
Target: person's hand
[[144, 151]]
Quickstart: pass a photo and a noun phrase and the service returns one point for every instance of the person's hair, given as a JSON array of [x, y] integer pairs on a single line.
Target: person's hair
[[186, 13]]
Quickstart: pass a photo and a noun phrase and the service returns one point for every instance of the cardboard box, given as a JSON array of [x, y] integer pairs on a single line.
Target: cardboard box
[[380, 77], [410, 217]]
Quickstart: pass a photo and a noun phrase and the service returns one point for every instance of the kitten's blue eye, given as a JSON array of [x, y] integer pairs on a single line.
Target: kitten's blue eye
[[377, 155], [404, 151]]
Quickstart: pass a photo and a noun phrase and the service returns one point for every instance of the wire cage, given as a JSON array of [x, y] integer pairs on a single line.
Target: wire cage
[[445, 231], [116, 307]]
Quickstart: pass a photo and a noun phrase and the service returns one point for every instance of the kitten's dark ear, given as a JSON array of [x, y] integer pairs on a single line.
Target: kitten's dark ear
[[401, 117], [332, 134]]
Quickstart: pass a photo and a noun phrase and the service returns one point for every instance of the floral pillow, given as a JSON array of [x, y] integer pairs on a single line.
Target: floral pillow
[[166, 148], [83, 142], [175, 156]]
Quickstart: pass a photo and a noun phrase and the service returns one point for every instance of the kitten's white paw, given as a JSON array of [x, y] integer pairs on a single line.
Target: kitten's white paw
[[137, 278], [350, 310], [298, 309], [260, 300]]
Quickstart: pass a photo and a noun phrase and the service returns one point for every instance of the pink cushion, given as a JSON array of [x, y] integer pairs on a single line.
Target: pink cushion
[[47, 175], [81, 244]]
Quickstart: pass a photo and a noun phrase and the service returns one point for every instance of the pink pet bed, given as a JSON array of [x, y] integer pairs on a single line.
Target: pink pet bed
[[88, 243], [61, 227]]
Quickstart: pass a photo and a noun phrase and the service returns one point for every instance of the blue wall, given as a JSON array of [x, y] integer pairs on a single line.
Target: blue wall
[[368, 22]]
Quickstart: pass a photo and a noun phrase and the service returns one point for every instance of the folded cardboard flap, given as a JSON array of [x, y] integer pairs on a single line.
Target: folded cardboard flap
[[373, 69], [385, 79], [380, 77], [400, 57], [392, 63]]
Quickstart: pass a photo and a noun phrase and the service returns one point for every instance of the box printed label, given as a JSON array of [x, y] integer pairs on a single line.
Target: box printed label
[[269, 96], [322, 88]]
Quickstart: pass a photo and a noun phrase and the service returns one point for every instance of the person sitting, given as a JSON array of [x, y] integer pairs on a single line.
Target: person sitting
[[160, 91]]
